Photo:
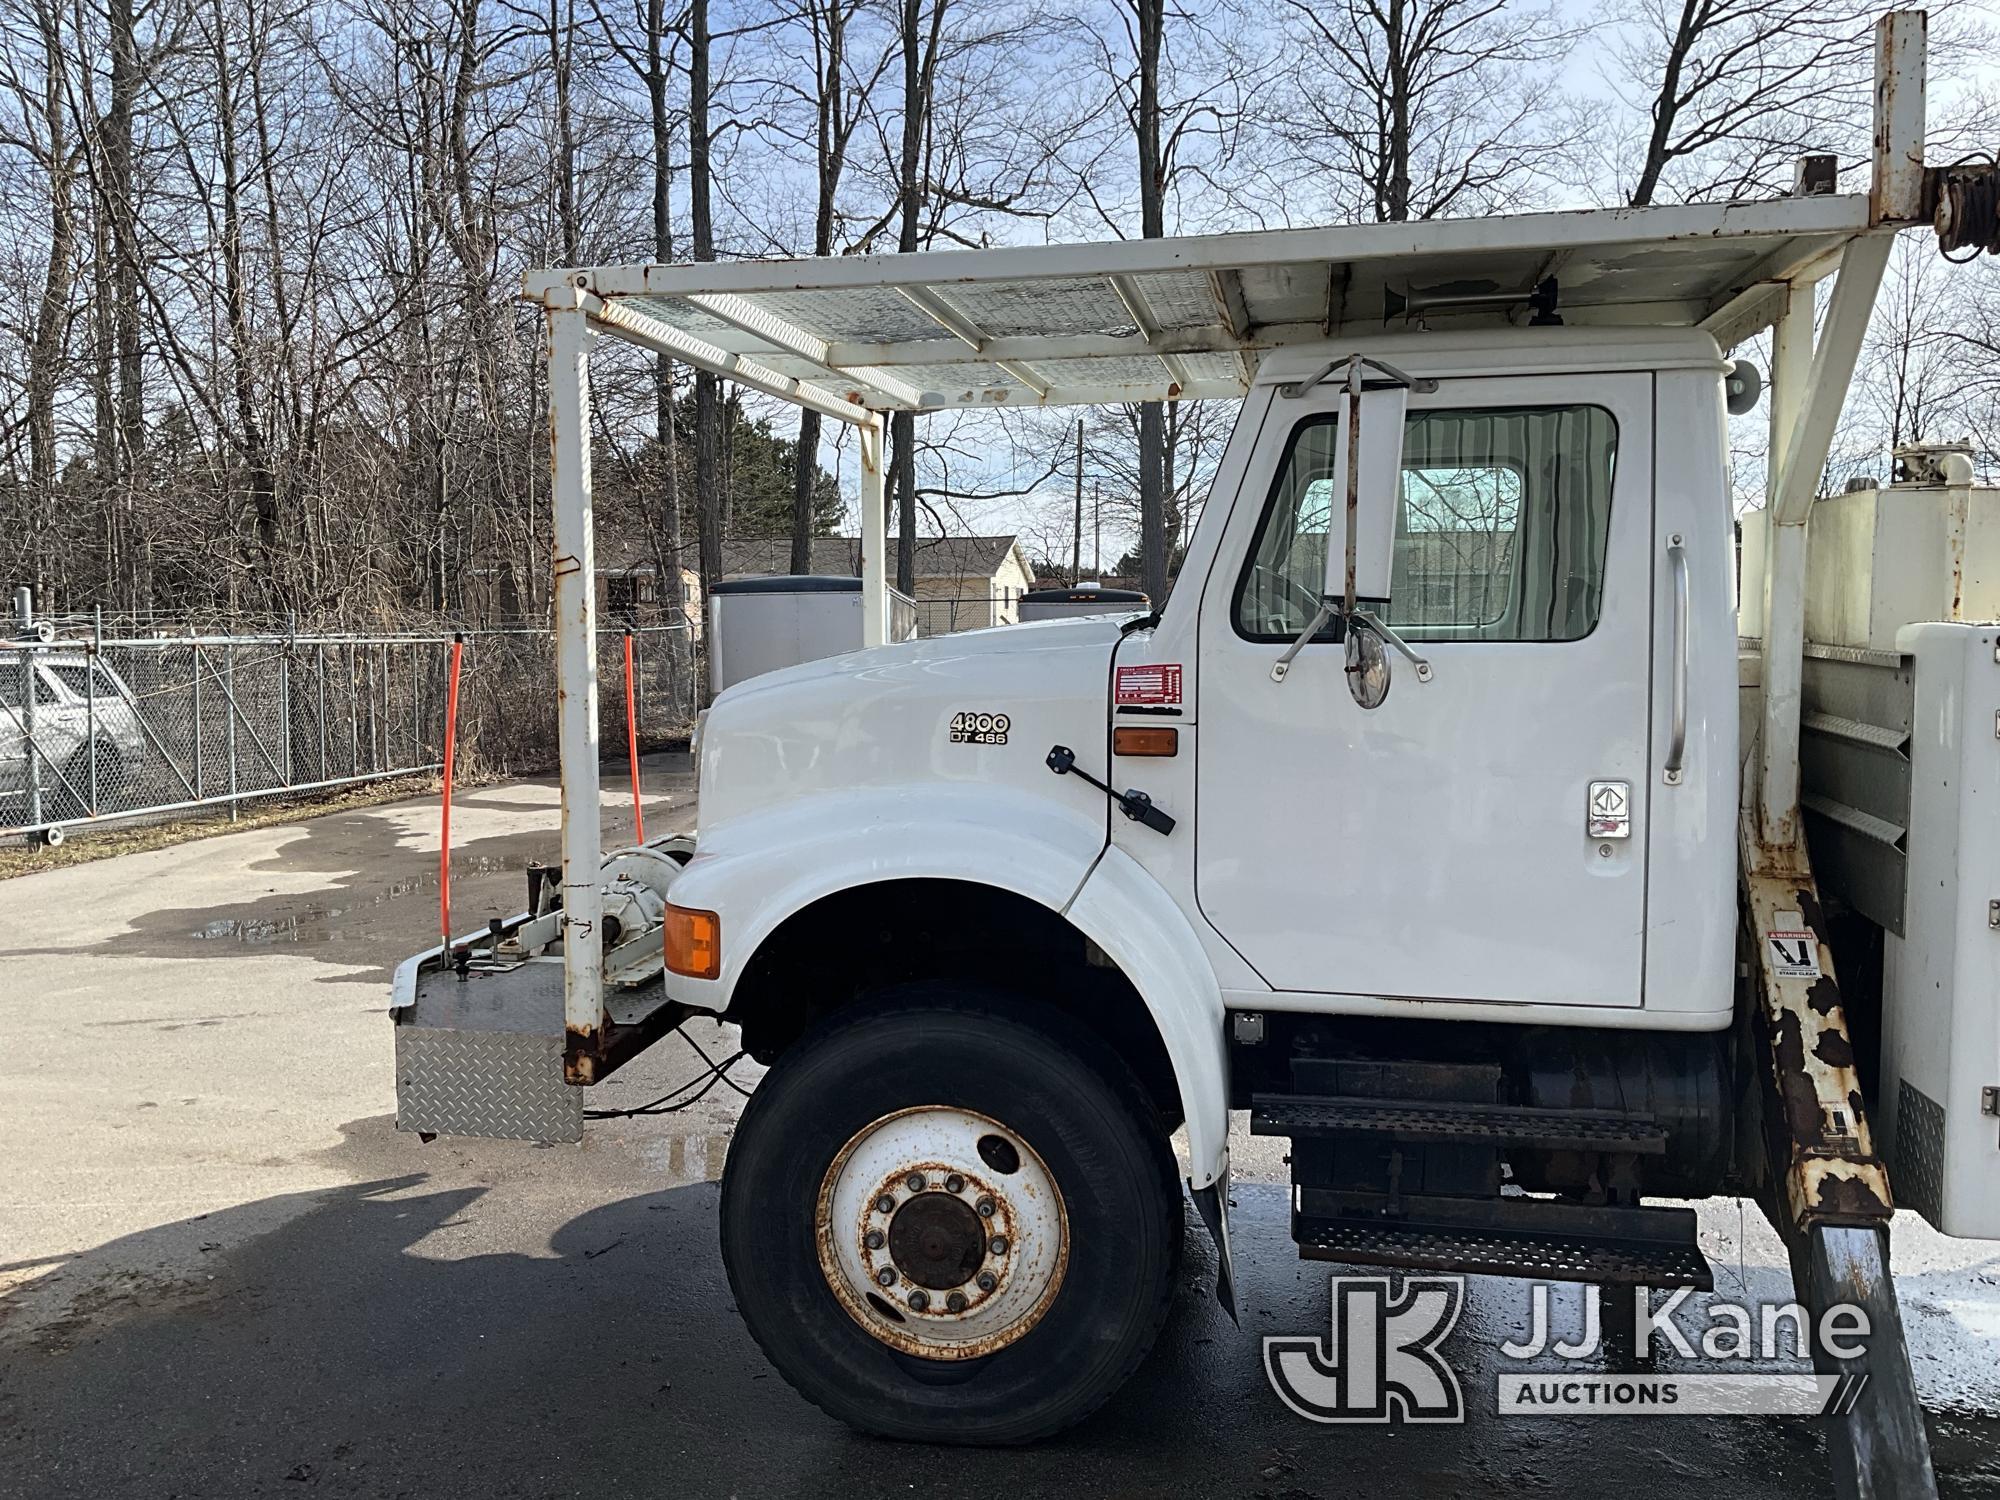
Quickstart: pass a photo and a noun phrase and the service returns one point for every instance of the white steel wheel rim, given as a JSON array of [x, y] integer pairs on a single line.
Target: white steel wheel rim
[[906, 1261]]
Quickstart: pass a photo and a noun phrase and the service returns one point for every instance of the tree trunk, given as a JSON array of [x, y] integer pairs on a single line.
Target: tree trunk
[[46, 340], [917, 64], [831, 138], [707, 415], [1151, 16]]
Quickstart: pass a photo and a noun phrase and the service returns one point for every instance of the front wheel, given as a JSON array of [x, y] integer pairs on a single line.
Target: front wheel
[[951, 1220]]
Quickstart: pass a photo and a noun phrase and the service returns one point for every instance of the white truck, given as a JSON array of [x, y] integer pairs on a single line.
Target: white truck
[[1418, 821]]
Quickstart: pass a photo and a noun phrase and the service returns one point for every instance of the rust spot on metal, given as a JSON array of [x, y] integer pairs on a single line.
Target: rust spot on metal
[[1838, 1195], [1804, 1121], [1824, 996], [1834, 1049]]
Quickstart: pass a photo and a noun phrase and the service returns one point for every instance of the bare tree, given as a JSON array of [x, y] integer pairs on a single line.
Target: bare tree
[[1736, 90], [1413, 109]]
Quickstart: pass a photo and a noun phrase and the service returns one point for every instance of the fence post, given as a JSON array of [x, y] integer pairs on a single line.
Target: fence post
[[229, 718], [353, 711], [319, 714], [29, 677], [194, 660], [93, 672], [285, 711]]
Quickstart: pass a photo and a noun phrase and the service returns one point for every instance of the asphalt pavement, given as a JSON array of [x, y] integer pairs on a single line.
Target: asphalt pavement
[[223, 1273]]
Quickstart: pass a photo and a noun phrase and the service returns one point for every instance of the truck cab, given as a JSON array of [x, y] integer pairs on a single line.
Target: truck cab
[[1415, 823]]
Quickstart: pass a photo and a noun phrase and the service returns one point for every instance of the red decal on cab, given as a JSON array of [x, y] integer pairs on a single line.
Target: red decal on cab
[[1156, 683]]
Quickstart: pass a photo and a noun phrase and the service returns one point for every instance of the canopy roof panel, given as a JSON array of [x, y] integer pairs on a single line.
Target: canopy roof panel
[[1184, 318]]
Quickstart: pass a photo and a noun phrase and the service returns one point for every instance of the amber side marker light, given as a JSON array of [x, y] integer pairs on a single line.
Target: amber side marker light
[[694, 942], [1134, 739]]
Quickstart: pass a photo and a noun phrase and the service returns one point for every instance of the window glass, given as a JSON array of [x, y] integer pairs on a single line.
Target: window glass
[[1500, 532], [1280, 591], [10, 685]]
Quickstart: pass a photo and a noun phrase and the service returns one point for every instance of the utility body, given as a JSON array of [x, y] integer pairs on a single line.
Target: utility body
[[1432, 819]]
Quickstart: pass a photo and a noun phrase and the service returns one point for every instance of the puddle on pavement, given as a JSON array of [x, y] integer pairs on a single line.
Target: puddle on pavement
[[317, 923], [686, 1158]]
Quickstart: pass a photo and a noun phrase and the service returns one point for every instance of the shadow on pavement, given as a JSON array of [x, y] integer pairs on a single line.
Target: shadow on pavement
[[361, 1348]]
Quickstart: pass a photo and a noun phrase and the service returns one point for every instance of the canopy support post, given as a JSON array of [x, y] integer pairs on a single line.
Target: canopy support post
[[1807, 404], [569, 339], [874, 534]]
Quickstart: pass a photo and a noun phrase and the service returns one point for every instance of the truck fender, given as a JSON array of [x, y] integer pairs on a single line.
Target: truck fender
[[1127, 913], [756, 871], [1130, 916]]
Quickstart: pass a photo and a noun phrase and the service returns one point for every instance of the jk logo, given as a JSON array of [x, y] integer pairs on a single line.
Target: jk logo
[[1381, 1363]]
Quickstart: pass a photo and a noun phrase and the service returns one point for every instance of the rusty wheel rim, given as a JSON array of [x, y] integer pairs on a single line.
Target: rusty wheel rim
[[942, 1232]]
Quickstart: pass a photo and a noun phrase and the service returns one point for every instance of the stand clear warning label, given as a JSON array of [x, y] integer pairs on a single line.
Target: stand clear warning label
[[1794, 954]]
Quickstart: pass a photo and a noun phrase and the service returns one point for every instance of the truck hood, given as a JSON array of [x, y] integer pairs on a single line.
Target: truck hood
[[979, 707]]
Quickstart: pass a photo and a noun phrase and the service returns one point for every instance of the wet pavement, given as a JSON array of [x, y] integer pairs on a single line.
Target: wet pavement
[[222, 1272]]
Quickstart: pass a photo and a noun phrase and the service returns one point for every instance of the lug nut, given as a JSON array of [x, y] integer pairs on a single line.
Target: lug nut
[[919, 1300], [886, 1276], [873, 1239], [914, 1182], [987, 1281], [954, 1183], [885, 1204], [955, 1302], [987, 1208], [998, 1244]]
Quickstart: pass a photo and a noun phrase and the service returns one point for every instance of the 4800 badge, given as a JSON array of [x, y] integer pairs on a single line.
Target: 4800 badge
[[970, 727]]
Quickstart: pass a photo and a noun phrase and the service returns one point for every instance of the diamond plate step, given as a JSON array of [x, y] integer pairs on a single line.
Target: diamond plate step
[[1440, 1122], [1553, 1256]]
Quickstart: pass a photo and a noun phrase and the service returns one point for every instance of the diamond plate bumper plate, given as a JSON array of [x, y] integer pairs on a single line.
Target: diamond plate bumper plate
[[483, 1056]]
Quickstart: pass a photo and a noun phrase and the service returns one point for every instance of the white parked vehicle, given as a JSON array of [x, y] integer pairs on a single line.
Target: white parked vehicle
[[82, 712], [1418, 821]]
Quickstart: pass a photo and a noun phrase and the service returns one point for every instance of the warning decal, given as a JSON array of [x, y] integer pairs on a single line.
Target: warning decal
[[1794, 954], [1157, 683]]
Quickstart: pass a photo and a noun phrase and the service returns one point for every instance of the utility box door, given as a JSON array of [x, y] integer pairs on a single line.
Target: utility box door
[[1941, 979], [1441, 846]]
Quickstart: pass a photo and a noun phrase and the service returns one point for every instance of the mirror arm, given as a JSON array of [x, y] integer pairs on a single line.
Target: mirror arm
[[1327, 608], [1423, 385], [1389, 637], [1360, 618]]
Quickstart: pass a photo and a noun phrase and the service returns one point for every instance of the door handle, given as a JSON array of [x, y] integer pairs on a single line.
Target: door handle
[[1677, 736]]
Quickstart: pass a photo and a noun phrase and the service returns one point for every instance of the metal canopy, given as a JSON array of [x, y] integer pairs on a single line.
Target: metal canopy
[[1175, 319]]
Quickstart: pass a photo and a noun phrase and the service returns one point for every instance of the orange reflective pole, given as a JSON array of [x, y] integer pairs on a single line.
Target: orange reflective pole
[[450, 746], [632, 741]]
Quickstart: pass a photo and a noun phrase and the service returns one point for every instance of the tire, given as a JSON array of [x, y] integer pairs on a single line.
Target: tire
[[947, 1053]]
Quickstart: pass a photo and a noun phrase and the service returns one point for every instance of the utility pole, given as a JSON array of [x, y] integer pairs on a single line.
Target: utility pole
[[1096, 532], [1076, 550]]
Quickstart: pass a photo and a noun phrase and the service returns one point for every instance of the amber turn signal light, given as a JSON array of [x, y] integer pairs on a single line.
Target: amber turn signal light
[[1134, 739], [694, 942]]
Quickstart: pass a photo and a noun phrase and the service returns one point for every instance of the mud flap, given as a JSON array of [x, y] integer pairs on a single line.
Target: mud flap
[[1212, 1203], [1822, 1185]]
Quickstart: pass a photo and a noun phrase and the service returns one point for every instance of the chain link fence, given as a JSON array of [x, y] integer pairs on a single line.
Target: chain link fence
[[96, 729]]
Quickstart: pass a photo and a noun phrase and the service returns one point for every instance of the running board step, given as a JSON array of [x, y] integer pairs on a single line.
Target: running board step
[[1513, 1236], [1444, 1122]]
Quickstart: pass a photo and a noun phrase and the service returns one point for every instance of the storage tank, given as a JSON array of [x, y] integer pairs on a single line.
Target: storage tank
[[758, 625], [1084, 599]]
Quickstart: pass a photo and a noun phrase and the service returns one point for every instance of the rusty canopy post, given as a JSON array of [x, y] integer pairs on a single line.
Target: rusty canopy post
[[569, 339]]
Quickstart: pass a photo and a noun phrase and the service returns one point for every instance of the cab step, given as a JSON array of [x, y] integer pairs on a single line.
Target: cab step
[[1537, 1238], [1441, 1122]]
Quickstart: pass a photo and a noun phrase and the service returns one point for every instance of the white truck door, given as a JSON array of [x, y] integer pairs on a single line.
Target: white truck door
[[1441, 846]]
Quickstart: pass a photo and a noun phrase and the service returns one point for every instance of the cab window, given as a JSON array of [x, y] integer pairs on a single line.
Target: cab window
[[1501, 527]]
